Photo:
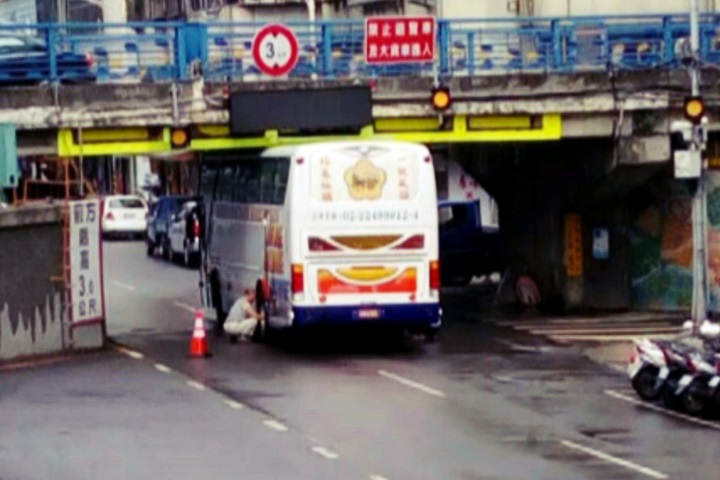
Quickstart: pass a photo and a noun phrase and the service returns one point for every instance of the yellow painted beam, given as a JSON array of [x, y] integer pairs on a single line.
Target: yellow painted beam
[[500, 122], [407, 124], [67, 147], [100, 135], [551, 129]]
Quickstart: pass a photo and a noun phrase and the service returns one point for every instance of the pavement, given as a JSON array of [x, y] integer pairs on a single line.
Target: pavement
[[487, 401]]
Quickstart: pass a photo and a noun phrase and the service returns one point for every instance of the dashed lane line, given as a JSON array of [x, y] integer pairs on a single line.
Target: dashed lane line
[[162, 368], [411, 383], [326, 453], [196, 385], [656, 408], [648, 472], [126, 286], [377, 477], [185, 306], [275, 425], [130, 353], [233, 404]]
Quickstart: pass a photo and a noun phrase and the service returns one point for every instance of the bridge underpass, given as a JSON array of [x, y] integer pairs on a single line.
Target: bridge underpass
[[537, 177], [562, 134]]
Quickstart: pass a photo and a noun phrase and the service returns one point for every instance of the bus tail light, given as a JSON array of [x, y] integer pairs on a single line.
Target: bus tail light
[[434, 275], [196, 229], [319, 245], [412, 243], [297, 282]]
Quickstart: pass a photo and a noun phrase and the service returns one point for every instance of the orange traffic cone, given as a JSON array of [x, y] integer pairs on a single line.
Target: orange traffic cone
[[199, 343]]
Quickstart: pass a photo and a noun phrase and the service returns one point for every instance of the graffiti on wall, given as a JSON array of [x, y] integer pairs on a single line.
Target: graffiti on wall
[[661, 242]]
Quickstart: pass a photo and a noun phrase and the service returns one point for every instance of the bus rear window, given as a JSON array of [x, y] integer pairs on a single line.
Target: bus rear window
[[368, 174]]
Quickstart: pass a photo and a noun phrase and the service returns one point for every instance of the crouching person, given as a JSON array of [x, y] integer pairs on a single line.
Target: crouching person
[[243, 319]]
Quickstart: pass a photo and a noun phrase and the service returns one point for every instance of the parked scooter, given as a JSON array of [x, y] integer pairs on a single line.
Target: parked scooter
[[697, 391], [655, 363]]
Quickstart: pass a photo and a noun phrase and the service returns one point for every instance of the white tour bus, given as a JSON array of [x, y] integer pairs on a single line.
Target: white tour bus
[[335, 233]]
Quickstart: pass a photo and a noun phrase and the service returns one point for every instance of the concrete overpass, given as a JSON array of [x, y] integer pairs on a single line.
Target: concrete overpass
[[551, 144]]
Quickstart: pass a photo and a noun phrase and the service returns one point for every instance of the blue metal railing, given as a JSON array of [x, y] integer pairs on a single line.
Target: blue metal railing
[[167, 51]]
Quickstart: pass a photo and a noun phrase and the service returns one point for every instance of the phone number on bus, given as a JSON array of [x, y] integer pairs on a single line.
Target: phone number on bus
[[366, 216]]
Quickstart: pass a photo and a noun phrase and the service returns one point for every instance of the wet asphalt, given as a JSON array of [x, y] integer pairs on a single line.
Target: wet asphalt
[[482, 403]]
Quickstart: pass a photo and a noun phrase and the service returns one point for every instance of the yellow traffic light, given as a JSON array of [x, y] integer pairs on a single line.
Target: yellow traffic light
[[179, 138], [441, 98], [694, 109]]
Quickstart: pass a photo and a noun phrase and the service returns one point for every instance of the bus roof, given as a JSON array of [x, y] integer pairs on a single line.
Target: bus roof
[[290, 150]]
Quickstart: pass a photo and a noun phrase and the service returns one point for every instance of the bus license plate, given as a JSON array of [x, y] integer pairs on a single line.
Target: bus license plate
[[369, 313]]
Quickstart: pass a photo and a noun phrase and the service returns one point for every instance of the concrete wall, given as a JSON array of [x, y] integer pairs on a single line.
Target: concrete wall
[[33, 317]]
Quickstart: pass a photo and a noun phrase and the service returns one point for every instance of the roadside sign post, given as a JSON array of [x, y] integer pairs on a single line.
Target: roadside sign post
[[276, 50], [87, 295]]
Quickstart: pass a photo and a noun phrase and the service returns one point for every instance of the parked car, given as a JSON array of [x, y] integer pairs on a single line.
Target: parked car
[[159, 220], [26, 60], [185, 233], [124, 215], [466, 248]]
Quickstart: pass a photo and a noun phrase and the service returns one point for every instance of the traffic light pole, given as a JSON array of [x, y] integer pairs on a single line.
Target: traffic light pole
[[699, 297]]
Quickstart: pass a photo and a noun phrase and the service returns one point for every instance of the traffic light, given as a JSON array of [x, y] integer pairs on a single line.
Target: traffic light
[[179, 138], [694, 109], [441, 98]]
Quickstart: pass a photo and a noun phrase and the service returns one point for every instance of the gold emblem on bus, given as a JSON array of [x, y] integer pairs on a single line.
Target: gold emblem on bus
[[365, 181]]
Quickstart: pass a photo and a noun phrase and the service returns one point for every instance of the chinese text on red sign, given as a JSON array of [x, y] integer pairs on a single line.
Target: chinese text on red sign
[[399, 39]]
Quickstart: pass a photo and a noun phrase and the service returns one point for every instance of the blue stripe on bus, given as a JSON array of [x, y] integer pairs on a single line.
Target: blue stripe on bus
[[415, 315]]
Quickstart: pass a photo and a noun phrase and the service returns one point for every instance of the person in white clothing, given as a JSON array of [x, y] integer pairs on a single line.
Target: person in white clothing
[[243, 319]]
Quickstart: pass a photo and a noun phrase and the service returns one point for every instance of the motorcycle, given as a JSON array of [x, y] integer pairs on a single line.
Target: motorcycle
[[648, 368], [699, 395], [655, 363]]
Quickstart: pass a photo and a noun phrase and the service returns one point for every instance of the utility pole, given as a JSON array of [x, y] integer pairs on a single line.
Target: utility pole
[[699, 297]]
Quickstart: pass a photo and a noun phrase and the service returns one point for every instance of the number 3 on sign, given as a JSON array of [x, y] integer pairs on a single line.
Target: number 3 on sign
[[275, 50]]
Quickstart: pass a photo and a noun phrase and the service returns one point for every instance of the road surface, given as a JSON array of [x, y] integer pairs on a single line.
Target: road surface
[[485, 402]]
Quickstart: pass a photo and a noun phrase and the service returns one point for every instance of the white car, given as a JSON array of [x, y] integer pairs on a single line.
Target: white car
[[124, 215]]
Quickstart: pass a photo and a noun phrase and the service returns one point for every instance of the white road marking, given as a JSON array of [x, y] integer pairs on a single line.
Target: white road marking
[[124, 285], [606, 331], [324, 452], [131, 353], [599, 326], [162, 368], [233, 404], [195, 385], [614, 460], [611, 338], [656, 408], [275, 425], [572, 321], [410, 383], [185, 306], [377, 477]]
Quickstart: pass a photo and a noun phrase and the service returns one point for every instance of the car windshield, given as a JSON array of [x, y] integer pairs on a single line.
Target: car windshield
[[131, 203]]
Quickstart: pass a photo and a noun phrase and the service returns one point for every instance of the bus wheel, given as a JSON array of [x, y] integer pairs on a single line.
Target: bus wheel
[[262, 332], [431, 335], [216, 297]]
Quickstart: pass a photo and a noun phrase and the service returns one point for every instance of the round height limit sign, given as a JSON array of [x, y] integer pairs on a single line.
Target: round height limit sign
[[275, 50]]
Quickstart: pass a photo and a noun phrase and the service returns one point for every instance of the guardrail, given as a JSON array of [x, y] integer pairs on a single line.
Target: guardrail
[[167, 51]]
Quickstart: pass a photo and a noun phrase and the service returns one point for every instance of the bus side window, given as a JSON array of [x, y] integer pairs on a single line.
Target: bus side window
[[267, 181], [281, 179], [252, 180], [225, 185]]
